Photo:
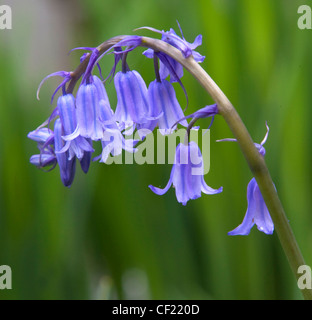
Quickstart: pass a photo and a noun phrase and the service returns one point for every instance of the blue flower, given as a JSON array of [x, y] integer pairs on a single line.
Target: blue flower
[[43, 160], [67, 167], [132, 102], [163, 102], [42, 135], [52, 152], [257, 211], [88, 111], [45, 142], [187, 175], [76, 144], [169, 66]]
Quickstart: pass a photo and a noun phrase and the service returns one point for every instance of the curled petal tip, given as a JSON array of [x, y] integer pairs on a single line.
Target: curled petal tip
[[266, 135], [64, 74], [148, 28], [140, 28]]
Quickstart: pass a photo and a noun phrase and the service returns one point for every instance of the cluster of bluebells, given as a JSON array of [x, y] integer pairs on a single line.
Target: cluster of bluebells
[[77, 122]]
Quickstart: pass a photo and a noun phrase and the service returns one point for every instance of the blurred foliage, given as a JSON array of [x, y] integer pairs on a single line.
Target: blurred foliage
[[109, 236]]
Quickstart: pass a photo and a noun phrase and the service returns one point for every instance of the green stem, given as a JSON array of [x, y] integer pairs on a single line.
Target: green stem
[[255, 161]]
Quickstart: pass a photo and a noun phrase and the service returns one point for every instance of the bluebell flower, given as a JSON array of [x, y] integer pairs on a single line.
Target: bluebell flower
[[88, 112], [163, 101], [76, 144], [169, 66], [42, 135], [87, 100], [132, 102], [113, 142], [67, 167], [102, 94], [43, 160], [257, 211], [187, 175], [45, 143]]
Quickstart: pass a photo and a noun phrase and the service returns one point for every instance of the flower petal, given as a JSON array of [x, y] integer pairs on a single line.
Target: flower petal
[[208, 190], [248, 221], [87, 109], [262, 217], [67, 167], [132, 102], [160, 191]]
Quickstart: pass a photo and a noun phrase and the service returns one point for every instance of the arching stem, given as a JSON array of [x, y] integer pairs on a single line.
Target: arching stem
[[255, 161]]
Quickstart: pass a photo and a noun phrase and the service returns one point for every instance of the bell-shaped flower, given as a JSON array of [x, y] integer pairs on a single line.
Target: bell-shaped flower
[[43, 160], [67, 167], [112, 141], [102, 94], [42, 135], [75, 144], [87, 111], [132, 102], [45, 142], [163, 100], [187, 175], [257, 213]]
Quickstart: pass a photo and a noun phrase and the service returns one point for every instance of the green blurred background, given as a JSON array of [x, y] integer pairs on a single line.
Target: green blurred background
[[109, 236]]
